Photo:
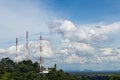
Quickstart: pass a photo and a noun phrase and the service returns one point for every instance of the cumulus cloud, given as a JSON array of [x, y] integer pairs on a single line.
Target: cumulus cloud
[[2, 50], [77, 42], [83, 32], [62, 26], [75, 45], [75, 59], [107, 51], [109, 28], [33, 51]]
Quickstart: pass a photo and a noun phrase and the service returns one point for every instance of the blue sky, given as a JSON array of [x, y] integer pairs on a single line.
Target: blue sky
[[85, 11], [78, 34]]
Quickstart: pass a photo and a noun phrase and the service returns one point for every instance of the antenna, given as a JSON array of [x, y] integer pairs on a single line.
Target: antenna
[[41, 50], [16, 51], [26, 45]]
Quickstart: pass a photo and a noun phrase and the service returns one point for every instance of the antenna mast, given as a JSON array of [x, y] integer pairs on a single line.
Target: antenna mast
[[16, 61], [41, 50], [26, 45]]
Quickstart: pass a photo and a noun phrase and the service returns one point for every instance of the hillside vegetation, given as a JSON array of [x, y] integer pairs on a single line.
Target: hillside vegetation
[[27, 70]]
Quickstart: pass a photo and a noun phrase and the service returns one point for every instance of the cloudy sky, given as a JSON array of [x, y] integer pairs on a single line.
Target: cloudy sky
[[77, 34]]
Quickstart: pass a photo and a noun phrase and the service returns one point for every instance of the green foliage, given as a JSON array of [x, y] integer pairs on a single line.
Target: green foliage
[[114, 77], [5, 76], [27, 70], [61, 75]]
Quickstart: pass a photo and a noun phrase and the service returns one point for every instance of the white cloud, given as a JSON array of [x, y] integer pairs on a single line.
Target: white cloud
[[83, 32], [67, 26], [16, 17], [75, 59], [83, 47], [2, 50], [62, 26], [106, 51], [11, 50], [65, 51], [77, 42], [109, 28], [76, 46], [33, 51]]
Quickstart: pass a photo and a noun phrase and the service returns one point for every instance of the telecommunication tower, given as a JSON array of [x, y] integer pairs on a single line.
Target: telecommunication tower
[[41, 51], [26, 55], [16, 55]]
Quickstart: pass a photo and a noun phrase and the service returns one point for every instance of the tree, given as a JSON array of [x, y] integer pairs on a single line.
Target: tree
[[26, 70]]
